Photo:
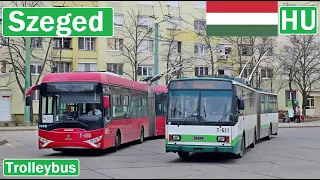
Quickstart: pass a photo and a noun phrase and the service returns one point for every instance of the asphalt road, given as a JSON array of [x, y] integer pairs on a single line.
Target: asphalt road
[[294, 153]]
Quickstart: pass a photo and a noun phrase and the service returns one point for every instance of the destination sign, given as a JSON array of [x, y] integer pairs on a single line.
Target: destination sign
[[70, 87], [200, 84]]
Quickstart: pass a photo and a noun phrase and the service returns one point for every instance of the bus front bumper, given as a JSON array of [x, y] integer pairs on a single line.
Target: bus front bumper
[[197, 148]]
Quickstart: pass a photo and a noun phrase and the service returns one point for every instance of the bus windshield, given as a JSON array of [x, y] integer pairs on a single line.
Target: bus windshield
[[205, 105], [82, 107]]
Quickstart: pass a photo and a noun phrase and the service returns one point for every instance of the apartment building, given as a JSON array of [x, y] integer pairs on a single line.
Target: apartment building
[[182, 40]]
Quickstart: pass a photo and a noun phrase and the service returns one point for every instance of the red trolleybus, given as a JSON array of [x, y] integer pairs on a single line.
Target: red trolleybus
[[161, 108], [94, 110]]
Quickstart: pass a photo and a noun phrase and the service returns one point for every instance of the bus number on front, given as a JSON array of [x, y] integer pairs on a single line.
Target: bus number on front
[[223, 130]]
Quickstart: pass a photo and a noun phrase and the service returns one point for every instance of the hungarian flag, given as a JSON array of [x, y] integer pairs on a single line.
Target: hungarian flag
[[242, 18]]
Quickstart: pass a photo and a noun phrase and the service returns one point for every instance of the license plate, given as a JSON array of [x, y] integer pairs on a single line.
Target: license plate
[[198, 138]]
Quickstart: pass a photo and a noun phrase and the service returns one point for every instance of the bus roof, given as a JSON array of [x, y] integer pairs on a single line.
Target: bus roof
[[238, 81], [160, 88], [104, 78]]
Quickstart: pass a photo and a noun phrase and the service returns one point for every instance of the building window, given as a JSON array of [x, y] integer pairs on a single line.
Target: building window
[[146, 46], [224, 51], [200, 4], [85, 67], [201, 71], [199, 25], [310, 102], [145, 21], [118, 20], [144, 2], [35, 95], [174, 3], [35, 68], [3, 67], [201, 48], [145, 71], [36, 42], [174, 23], [87, 43], [115, 68], [61, 67], [246, 50], [176, 47], [63, 43], [115, 44], [266, 73]]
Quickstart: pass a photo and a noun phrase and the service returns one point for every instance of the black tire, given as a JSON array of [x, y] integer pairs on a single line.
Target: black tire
[[117, 142], [253, 144], [242, 147], [141, 136], [183, 154], [269, 133]]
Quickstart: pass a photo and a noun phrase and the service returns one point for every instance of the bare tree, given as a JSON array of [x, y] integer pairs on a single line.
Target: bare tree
[[308, 56], [288, 57], [136, 33], [240, 43], [263, 54], [273, 71], [172, 52], [13, 53]]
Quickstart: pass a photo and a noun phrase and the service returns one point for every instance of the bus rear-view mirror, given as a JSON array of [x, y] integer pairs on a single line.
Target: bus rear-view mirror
[[28, 101], [240, 104], [106, 102]]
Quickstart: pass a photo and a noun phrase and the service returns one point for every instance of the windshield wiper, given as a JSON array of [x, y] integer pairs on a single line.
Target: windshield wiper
[[204, 111]]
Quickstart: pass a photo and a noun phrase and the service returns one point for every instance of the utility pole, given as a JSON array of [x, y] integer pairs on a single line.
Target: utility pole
[[27, 80], [156, 63]]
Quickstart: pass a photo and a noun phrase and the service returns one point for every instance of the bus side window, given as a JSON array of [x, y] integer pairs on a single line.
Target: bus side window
[[165, 105]]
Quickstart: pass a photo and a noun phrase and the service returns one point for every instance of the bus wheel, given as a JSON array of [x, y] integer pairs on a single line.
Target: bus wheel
[[242, 146], [254, 140], [183, 154], [141, 136], [269, 134], [117, 142]]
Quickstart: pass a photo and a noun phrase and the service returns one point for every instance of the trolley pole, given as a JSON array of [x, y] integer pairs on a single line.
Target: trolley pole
[[27, 80], [156, 63]]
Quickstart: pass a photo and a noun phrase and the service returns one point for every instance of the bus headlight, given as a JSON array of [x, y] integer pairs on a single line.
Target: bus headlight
[[174, 137], [221, 139], [93, 142], [44, 141]]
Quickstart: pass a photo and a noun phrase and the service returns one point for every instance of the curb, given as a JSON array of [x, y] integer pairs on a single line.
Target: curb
[[314, 126], [2, 142], [17, 130]]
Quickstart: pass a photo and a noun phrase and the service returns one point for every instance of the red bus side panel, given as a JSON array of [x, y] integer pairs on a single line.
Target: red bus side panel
[[160, 125]]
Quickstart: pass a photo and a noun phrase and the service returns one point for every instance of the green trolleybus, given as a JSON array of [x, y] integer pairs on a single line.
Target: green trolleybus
[[224, 115]]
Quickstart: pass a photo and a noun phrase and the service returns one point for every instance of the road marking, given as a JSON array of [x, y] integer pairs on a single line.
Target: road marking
[[10, 145]]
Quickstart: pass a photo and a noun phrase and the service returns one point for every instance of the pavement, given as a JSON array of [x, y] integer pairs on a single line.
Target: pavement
[[300, 125], [294, 153]]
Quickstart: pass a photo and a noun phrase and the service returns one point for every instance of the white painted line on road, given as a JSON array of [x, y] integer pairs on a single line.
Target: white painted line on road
[[10, 145]]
